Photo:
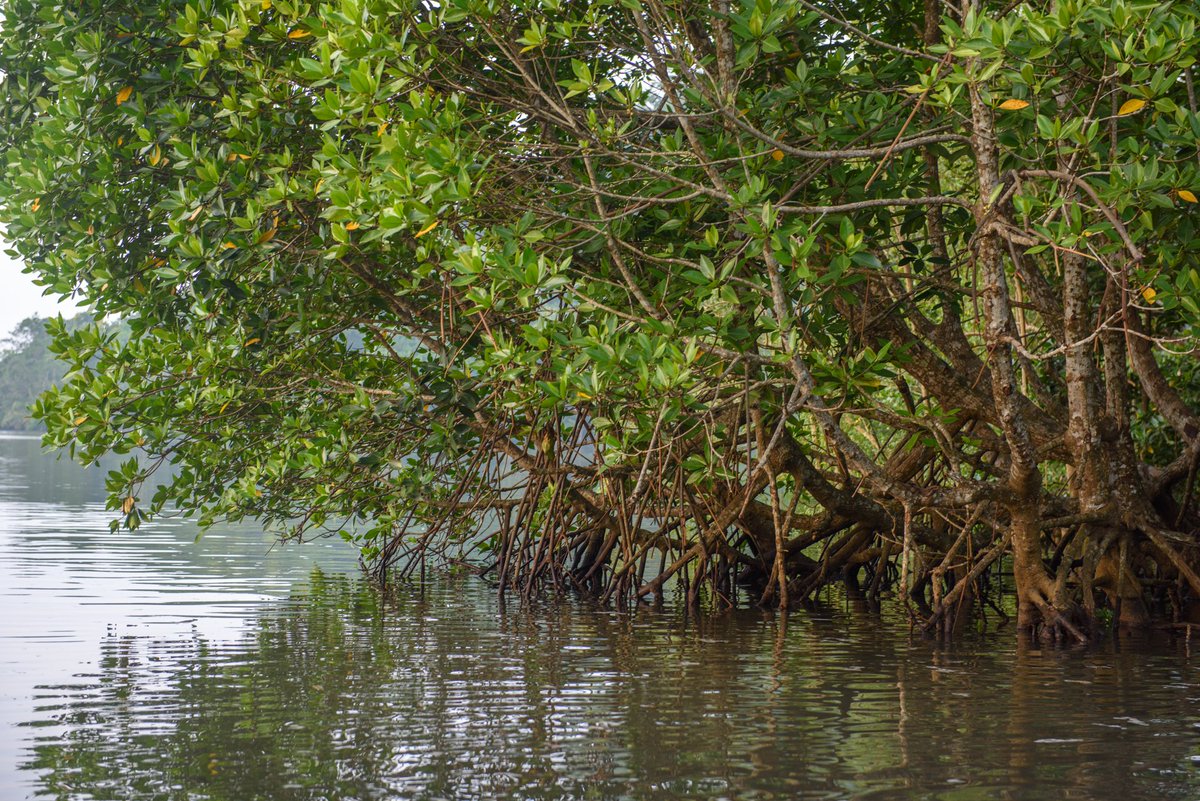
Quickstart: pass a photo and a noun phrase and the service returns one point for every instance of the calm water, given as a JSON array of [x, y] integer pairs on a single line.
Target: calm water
[[152, 666]]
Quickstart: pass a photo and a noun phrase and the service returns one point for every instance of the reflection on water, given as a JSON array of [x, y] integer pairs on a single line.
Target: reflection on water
[[227, 672], [69, 585]]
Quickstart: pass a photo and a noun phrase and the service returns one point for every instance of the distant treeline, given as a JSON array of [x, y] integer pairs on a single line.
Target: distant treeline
[[27, 369]]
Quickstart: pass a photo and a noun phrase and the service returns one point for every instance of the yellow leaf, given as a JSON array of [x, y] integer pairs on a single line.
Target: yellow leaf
[[1131, 107], [36, 204], [124, 94], [1149, 294], [91, 230], [1186, 195], [267, 235], [299, 33], [319, 184], [777, 154], [224, 406], [351, 226], [266, 5], [80, 420], [195, 213], [155, 157], [426, 229], [127, 506], [380, 130], [1014, 104], [581, 395], [228, 246], [251, 341]]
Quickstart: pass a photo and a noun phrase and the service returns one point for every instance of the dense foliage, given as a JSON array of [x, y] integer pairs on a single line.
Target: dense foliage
[[604, 293]]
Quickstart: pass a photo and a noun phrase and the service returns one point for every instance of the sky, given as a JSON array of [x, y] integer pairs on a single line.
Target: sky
[[19, 298]]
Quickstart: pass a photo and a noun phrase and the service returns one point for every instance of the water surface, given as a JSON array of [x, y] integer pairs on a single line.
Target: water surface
[[152, 666]]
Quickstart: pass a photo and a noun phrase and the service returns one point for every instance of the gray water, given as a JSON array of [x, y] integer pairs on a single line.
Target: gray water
[[154, 666]]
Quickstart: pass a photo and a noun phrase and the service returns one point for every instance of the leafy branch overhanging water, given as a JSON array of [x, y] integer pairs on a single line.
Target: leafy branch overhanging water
[[600, 295]]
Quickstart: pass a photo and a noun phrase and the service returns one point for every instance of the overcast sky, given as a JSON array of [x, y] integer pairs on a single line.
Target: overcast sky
[[19, 298]]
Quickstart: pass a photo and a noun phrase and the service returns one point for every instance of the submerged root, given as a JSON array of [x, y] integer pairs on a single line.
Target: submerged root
[[1055, 625], [787, 529], [1064, 583]]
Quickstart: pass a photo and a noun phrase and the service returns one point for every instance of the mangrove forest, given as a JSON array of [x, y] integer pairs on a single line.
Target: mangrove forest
[[714, 302]]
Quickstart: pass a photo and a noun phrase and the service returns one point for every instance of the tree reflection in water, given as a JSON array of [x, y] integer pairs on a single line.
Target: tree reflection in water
[[349, 693]]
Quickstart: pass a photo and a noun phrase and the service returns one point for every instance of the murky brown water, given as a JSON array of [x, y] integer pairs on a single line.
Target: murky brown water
[[151, 666]]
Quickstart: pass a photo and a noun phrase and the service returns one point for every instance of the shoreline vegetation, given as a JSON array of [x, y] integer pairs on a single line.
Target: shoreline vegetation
[[744, 297], [27, 369]]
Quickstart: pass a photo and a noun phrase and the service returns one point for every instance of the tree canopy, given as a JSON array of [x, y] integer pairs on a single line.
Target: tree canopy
[[604, 294]]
